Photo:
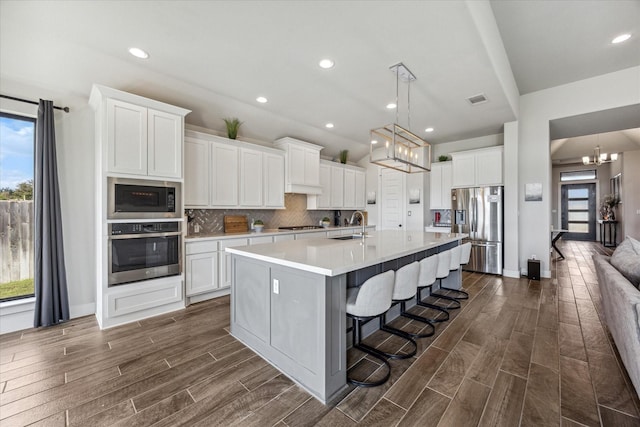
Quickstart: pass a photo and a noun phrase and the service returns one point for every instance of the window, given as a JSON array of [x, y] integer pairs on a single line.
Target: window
[[578, 175], [17, 142]]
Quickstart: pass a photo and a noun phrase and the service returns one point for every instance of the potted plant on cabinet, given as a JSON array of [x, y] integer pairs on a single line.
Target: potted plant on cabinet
[[344, 154], [258, 225], [233, 124], [325, 222]]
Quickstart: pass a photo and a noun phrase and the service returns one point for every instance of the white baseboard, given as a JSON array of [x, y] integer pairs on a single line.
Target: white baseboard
[[511, 273], [18, 315]]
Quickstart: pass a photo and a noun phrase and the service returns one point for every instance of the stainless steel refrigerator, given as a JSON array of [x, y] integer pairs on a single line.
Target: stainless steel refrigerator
[[478, 212]]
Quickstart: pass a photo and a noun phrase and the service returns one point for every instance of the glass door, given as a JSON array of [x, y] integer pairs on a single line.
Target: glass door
[[579, 211]]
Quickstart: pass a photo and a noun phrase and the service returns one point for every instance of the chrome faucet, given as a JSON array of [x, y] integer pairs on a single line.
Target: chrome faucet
[[353, 215]]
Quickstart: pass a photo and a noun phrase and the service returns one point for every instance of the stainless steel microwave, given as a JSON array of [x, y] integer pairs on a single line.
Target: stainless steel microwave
[[143, 199]]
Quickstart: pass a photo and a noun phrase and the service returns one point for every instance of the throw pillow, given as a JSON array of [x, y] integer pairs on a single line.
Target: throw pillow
[[626, 259]]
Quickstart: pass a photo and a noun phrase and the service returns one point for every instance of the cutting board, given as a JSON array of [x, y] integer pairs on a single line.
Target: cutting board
[[235, 224]]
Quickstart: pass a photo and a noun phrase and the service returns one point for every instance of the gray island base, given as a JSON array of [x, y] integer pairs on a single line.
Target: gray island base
[[288, 299]]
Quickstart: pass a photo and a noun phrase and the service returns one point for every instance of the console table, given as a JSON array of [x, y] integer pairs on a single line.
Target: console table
[[555, 238], [610, 228]]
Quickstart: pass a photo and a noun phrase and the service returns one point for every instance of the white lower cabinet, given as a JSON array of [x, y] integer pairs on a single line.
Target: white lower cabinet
[[202, 273]]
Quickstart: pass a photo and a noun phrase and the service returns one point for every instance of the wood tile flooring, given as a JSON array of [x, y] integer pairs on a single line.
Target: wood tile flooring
[[518, 353]]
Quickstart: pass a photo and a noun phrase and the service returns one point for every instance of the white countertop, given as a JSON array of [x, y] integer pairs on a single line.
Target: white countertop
[[269, 232], [334, 257]]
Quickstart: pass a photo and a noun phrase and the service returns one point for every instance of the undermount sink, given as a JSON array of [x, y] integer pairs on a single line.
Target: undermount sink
[[351, 237]]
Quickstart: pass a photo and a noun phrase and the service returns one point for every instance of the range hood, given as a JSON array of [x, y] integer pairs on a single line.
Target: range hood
[[302, 189], [302, 166]]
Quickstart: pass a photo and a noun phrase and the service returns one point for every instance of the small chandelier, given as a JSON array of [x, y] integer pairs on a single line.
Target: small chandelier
[[599, 158], [395, 147]]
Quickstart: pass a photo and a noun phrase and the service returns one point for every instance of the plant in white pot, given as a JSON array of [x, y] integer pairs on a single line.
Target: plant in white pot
[[325, 222], [258, 225]]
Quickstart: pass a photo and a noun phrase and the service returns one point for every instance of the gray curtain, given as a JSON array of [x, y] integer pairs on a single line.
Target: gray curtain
[[52, 301]]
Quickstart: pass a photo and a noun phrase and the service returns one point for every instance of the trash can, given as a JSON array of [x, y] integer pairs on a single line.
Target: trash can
[[533, 269]]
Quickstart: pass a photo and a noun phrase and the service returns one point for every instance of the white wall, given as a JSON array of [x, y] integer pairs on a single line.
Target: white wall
[[630, 206], [75, 155], [604, 92], [510, 200]]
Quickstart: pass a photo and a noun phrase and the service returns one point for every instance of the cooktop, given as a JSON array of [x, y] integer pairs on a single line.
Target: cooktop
[[301, 227]]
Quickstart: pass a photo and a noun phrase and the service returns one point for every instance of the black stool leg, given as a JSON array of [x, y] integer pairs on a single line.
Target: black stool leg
[[432, 306], [404, 313], [401, 334], [448, 298], [376, 354]]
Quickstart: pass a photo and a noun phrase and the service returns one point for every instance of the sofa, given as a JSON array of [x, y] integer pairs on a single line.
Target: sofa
[[621, 304]]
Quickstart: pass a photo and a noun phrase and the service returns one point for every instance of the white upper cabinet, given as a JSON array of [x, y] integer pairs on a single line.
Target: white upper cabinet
[[477, 167], [126, 137], [302, 166], [440, 188], [337, 187], [223, 173], [322, 201], [273, 170], [489, 167], [164, 144], [360, 190], [251, 178], [196, 174], [343, 187], [349, 188], [139, 136]]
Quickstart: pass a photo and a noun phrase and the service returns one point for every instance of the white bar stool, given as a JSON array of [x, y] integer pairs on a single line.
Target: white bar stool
[[405, 288], [364, 303], [456, 258], [444, 262], [426, 279]]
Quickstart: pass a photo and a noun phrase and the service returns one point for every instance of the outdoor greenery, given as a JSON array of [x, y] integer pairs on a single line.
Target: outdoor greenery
[[18, 288], [23, 191]]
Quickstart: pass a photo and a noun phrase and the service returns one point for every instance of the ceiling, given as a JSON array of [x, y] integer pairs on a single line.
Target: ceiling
[[216, 57]]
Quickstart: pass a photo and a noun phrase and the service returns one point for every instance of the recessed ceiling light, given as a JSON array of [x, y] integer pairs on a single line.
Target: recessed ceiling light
[[261, 100], [329, 125], [391, 106], [621, 38], [326, 63], [138, 53], [373, 141], [428, 130]]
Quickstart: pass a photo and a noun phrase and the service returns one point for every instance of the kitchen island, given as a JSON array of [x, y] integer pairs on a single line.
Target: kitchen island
[[288, 299]]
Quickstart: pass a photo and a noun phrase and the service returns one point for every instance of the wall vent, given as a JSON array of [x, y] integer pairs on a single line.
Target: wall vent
[[477, 99]]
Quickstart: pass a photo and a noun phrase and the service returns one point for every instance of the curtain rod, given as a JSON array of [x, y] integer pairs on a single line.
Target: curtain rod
[[65, 109]]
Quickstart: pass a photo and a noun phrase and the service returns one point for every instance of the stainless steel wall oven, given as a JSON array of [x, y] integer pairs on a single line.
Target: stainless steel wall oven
[[144, 250], [143, 199]]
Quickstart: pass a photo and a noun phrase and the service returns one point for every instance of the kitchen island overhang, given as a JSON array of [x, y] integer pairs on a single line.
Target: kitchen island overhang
[[288, 299]]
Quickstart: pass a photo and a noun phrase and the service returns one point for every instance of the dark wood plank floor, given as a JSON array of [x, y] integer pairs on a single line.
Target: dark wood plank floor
[[518, 353]]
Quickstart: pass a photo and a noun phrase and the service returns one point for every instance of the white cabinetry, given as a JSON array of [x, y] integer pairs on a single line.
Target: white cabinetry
[[440, 188], [201, 267], [343, 187], [336, 193], [221, 173], [196, 175], [142, 140], [302, 168], [477, 167], [250, 178], [224, 175], [135, 137], [273, 180]]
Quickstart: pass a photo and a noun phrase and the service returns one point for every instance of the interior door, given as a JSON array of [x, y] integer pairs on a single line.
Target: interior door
[[579, 211], [391, 199]]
